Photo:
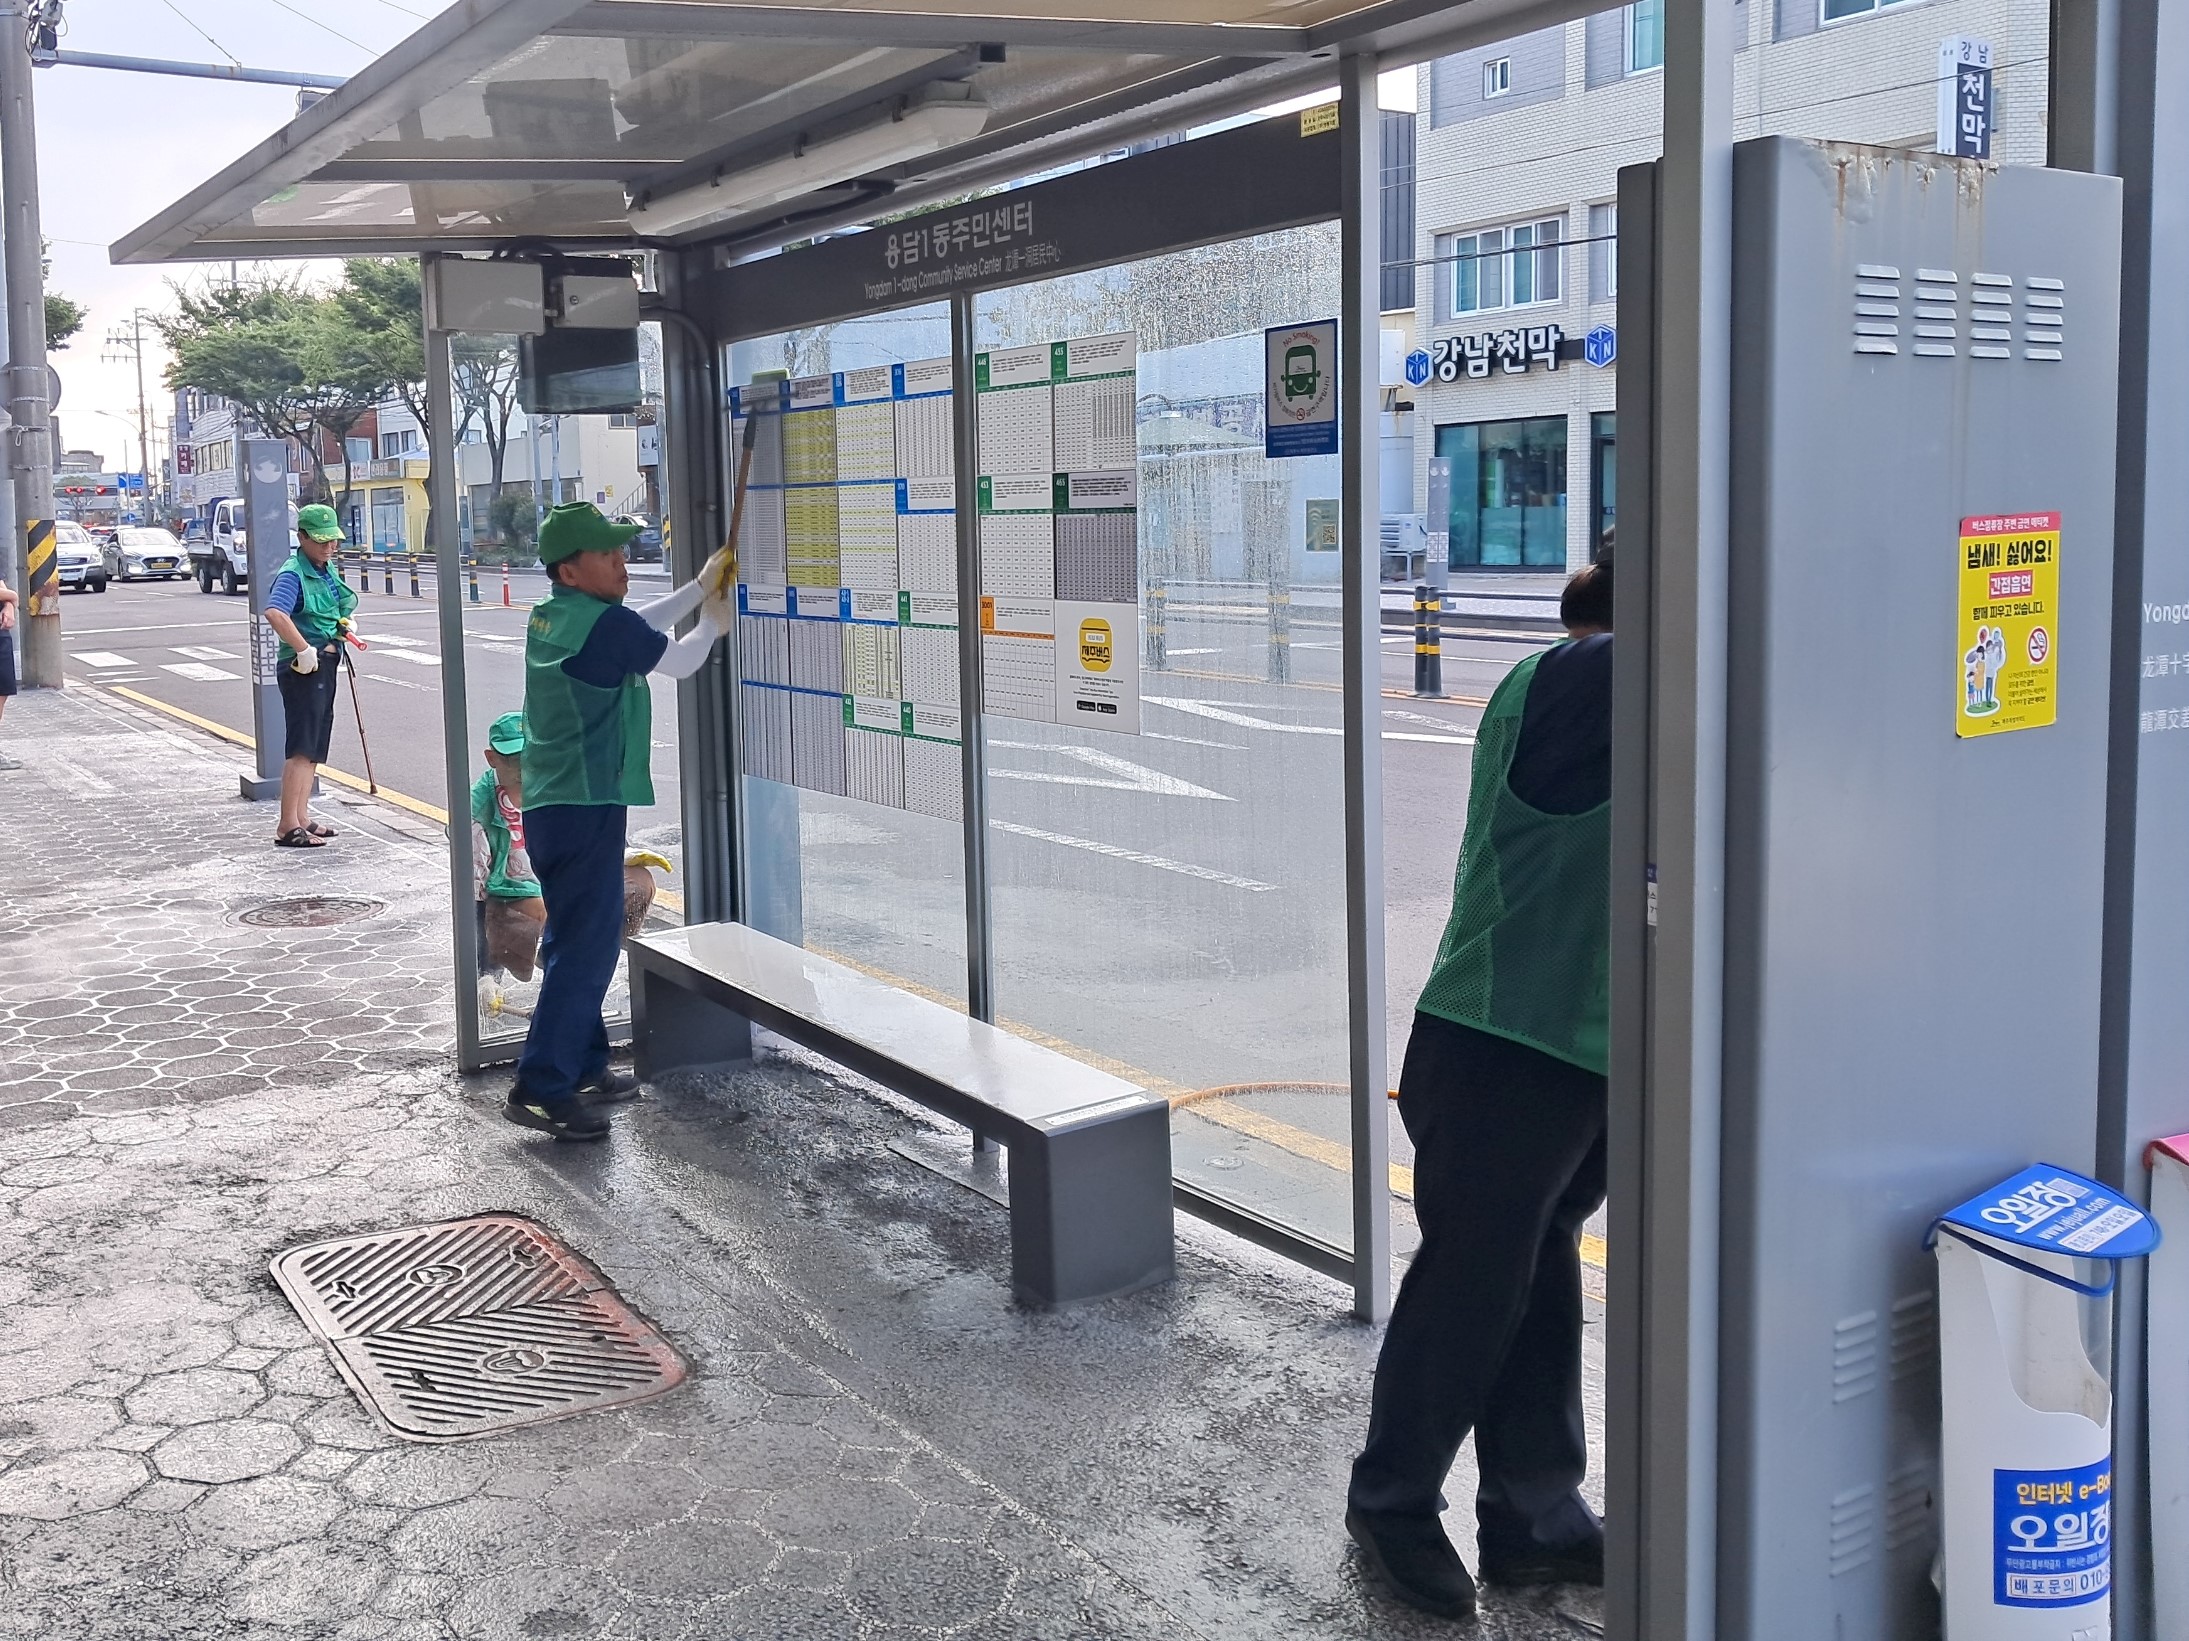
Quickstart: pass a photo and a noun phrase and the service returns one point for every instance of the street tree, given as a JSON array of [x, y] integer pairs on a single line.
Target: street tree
[[484, 379], [384, 302]]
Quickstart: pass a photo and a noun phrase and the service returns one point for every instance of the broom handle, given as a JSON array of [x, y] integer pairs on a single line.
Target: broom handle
[[737, 499]]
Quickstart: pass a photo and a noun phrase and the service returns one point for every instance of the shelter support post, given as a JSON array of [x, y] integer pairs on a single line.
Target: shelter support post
[[455, 709], [1360, 446], [694, 447], [2116, 109], [1663, 1391], [980, 973]]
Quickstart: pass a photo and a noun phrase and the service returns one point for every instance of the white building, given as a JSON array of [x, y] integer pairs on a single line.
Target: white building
[[1518, 151]]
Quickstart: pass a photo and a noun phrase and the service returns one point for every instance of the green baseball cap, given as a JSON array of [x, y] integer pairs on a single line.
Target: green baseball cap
[[319, 522], [580, 527], [506, 734]]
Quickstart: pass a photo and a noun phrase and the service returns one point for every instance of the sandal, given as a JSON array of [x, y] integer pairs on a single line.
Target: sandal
[[317, 830], [298, 837]]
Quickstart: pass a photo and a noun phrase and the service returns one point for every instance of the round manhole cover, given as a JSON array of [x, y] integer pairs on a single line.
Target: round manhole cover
[[309, 912]]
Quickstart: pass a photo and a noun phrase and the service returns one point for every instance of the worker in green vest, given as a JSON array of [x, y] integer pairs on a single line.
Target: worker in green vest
[[311, 611], [1503, 1096], [588, 713], [512, 913]]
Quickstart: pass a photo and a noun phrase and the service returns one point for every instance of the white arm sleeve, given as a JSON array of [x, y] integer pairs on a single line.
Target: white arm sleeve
[[663, 613], [688, 654]]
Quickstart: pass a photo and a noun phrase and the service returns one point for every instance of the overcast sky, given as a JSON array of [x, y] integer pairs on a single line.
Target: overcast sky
[[114, 148]]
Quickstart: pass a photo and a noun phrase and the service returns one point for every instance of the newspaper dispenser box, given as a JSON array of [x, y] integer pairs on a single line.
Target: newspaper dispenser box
[[2167, 1380], [2025, 1281]]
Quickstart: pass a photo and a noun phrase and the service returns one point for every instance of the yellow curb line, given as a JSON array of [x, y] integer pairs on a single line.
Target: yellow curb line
[[416, 806], [1269, 1130]]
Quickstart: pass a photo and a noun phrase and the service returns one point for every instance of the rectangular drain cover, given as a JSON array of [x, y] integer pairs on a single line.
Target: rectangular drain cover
[[473, 1326]]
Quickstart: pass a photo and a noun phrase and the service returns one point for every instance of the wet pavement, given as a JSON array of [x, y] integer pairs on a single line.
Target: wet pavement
[[874, 1441]]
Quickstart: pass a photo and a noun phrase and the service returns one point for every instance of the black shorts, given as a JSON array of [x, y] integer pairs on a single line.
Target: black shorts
[[7, 663], [307, 709]]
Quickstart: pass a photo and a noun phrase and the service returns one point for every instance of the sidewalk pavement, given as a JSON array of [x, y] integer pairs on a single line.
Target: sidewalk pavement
[[874, 1442]]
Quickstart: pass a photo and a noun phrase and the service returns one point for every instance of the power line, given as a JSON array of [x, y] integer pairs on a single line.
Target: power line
[[406, 11], [209, 40], [329, 27]]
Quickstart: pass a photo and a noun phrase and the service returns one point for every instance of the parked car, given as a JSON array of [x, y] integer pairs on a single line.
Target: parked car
[[645, 547], [76, 558], [145, 550]]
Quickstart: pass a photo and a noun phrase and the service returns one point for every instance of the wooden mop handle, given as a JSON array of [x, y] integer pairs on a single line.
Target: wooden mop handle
[[737, 505]]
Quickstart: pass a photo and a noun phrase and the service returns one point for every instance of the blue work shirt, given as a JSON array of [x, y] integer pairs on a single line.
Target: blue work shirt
[[620, 644]]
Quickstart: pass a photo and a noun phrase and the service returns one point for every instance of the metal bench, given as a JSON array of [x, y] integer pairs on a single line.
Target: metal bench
[[1090, 1164]]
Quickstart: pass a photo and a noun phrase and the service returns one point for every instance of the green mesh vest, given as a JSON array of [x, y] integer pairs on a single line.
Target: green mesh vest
[[327, 604], [583, 744], [1527, 953]]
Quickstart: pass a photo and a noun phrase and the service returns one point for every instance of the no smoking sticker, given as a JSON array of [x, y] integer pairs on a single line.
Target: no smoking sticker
[[2010, 596]]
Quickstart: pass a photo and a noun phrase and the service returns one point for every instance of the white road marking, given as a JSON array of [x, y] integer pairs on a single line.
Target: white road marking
[[384, 640], [1132, 777], [1439, 740], [103, 658], [1184, 868], [206, 652], [199, 671], [1427, 722], [1188, 740], [1224, 715], [415, 657], [1169, 651]]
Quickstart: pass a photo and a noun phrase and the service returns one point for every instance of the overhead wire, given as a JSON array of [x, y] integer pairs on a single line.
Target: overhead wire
[[209, 40], [329, 27]]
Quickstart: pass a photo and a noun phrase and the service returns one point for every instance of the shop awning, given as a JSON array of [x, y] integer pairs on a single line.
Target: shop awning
[[620, 123]]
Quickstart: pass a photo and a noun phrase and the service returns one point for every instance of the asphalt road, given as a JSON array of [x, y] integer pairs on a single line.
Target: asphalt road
[[1172, 902]]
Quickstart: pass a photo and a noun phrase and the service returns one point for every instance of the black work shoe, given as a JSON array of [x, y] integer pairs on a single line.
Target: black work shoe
[[1414, 1558], [609, 1088], [565, 1119], [1580, 1563]]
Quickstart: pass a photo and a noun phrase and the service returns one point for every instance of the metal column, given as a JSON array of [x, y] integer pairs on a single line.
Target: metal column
[[980, 972], [30, 439], [455, 700], [1360, 405], [2115, 63], [1664, 1383], [692, 425]]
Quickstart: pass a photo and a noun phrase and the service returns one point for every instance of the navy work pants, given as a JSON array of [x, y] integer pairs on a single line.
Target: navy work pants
[[577, 854], [1486, 1331]]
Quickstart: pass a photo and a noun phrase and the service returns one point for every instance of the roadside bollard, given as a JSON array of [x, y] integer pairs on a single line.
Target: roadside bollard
[[387, 574], [1157, 646], [1280, 634], [2025, 1375], [505, 584], [414, 575], [471, 572], [1428, 643]]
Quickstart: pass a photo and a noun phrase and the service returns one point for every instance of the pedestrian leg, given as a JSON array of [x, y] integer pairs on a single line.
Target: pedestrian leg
[[577, 852], [1531, 1446]]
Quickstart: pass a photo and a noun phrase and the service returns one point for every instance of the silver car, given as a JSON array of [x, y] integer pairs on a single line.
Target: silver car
[[145, 550], [76, 560]]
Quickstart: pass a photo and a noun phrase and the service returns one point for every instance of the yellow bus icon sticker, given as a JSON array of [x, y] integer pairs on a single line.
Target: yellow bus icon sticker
[[1094, 644]]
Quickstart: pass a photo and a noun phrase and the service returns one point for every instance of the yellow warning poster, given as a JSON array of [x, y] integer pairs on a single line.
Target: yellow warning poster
[[2010, 612]]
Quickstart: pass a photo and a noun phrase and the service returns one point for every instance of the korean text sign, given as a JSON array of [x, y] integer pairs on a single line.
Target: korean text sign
[[2052, 1535], [2009, 623]]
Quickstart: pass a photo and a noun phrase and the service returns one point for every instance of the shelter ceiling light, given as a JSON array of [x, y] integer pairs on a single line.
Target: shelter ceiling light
[[931, 119]]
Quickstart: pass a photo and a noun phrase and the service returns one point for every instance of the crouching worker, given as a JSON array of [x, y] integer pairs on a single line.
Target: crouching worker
[[588, 715], [512, 912]]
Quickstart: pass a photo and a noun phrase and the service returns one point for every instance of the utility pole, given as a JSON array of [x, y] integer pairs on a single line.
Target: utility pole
[[30, 440], [129, 341]]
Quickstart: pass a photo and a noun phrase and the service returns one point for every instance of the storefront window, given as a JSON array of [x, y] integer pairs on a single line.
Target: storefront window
[[1508, 493]]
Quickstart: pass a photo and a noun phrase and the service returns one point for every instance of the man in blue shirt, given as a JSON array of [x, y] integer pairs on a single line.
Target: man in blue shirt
[[588, 714], [310, 610]]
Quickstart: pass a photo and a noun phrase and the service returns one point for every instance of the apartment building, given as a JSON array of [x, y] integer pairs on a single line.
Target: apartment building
[[1517, 155]]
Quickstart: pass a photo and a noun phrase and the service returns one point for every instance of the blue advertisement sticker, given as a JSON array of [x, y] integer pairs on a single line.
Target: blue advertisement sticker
[[2052, 1535], [2056, 1211]]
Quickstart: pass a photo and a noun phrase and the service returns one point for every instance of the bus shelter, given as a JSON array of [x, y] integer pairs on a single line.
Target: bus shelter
[[985, 729]]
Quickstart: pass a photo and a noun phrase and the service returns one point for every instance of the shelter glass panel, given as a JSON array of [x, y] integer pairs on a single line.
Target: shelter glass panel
[[848, 694], [1162, 710]]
